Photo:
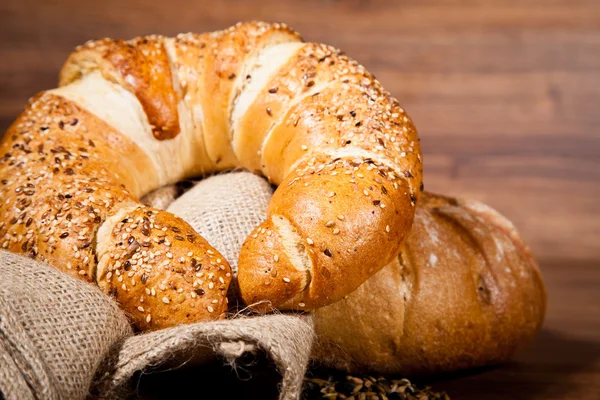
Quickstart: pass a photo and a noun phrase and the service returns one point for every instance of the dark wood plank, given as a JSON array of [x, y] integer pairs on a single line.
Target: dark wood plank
[[505, 94]]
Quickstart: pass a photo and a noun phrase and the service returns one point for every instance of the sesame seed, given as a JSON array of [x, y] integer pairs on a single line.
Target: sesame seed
[[286, 280], [330, 194], [165, 300], [210, 309], [140, 309], [309, 241], [330, 223], [148, 318], [276, 257], [336, 231], [304, 147], [387, 228], [301, 304]]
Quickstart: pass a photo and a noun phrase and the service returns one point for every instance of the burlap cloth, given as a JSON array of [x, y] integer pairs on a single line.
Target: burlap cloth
[[63, 339]]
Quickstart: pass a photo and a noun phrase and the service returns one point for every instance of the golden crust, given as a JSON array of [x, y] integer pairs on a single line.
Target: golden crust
[[465, 292], [140, 65], [224, 72], [322, 99], [351, 216], [160, 270], [342, 119], [272, 270], [311, 68], [62, 172], [190, 50]]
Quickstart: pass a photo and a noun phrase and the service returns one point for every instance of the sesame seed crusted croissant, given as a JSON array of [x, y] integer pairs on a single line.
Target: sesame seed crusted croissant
[[131, 116]]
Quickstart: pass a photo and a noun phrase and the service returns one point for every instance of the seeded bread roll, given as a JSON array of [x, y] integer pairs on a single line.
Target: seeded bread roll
[[464, 292], [131, 116]]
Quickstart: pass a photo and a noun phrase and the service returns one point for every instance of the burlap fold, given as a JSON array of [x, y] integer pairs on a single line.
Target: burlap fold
[[54, 331], [224, 209], [286, 339]]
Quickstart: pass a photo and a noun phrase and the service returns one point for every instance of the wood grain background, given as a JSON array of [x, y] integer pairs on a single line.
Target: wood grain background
[[506, 97]]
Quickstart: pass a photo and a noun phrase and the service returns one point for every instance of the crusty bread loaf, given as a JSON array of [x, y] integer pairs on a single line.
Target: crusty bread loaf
[[131, 116], [464, 292]]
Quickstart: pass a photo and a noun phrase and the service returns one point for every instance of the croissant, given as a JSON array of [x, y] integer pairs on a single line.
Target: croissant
[[131, 116]]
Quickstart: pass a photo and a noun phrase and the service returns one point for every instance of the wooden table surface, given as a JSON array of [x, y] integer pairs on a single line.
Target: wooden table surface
[[506, 97]]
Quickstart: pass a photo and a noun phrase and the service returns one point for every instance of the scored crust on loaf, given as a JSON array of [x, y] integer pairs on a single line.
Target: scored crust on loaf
[[118, 107], [303, 75], [186, 52], [339, 118], [266, 65], [352, 153], [225, 66], [103, 241], [295, 248], [141, 66], [257, 73]]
